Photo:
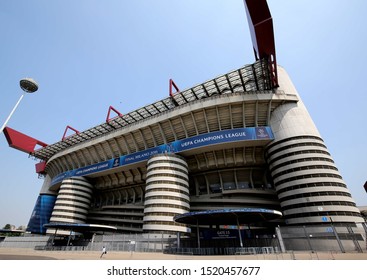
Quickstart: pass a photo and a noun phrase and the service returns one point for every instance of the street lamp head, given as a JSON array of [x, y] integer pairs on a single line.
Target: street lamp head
[[28, 85]]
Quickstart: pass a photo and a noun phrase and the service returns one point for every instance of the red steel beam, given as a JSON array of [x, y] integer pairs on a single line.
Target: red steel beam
[[109, 112], [41, 167], [262, 34], [20, 141], [66, 129], [172, 84]]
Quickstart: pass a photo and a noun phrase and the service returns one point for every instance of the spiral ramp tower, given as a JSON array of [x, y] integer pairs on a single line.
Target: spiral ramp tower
[[73, 202], [309, 186], [166, 193]]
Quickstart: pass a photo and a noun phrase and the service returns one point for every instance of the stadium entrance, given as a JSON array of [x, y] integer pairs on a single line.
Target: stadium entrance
[[227, 231]]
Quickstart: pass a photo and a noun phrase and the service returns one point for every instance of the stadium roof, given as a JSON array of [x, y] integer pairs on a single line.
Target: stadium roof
[[250, 78]]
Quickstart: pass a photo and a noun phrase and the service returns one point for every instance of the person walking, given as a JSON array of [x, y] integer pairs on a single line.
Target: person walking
[[103, 252]]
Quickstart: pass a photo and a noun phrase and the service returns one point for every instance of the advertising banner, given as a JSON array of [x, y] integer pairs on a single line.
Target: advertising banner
[[203, 140]]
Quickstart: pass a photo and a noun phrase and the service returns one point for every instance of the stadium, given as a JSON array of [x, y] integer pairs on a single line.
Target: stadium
[[235, 161]]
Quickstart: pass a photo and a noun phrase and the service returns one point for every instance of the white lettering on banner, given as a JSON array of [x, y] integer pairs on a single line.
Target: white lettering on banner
[[209, 138], [201, 140], [103, 165], [237, 134], [188, 143], [127, 159], [140, 156], [90, 169], [223, 232], [153, 153]]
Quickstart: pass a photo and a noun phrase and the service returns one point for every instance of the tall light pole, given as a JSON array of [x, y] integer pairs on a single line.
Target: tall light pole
[[28, 85]]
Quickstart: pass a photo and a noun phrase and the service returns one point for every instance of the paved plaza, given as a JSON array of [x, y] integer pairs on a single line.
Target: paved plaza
[[30, 254]]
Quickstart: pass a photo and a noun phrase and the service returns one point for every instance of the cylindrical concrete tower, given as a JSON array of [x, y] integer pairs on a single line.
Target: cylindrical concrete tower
[[166, 193], [308, 184], [73, 201]]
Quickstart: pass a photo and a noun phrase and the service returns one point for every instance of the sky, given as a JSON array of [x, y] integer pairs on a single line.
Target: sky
[[87, 55]]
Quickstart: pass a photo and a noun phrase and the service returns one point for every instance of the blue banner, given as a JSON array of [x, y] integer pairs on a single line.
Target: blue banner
[[41, 213], [195, 142]]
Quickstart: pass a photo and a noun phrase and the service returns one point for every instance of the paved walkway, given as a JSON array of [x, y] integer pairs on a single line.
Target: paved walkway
[[30, 254]]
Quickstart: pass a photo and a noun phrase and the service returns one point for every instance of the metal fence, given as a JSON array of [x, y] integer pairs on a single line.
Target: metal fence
[[117, 242], [223, 251], [286, 239], [323, 238], [24, 241]]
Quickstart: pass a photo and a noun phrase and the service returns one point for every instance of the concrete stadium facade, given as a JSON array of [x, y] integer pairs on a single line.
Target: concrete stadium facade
[[233, 142], [238, 154]]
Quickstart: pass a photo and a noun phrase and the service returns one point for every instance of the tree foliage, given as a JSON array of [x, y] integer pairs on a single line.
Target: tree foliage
[[8, 226]]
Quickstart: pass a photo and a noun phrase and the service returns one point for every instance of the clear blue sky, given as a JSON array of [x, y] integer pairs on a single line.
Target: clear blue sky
[[87, 55]]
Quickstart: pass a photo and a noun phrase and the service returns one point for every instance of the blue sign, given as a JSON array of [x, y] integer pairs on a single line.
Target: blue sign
[[203, 140]]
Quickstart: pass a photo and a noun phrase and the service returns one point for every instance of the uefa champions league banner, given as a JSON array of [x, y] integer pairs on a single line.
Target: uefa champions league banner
[[203, 140]]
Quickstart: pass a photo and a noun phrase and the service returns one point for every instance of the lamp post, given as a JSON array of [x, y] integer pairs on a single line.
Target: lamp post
[[28, 85]]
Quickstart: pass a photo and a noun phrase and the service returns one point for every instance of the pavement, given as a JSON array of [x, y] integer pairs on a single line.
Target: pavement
[[30, 254]]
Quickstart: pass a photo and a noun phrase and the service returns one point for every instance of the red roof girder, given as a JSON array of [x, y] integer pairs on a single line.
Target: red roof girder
[[108, 118], [20, 141], [66, 130], [262, 34]]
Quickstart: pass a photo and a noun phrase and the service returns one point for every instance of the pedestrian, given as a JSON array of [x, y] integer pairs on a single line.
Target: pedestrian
[[103, 251]]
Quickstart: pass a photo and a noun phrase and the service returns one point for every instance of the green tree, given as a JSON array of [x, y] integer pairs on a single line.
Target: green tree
[[8, 226]]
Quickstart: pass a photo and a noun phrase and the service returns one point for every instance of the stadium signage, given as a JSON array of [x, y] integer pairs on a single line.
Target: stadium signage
[[220, 234], [207, 139]]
